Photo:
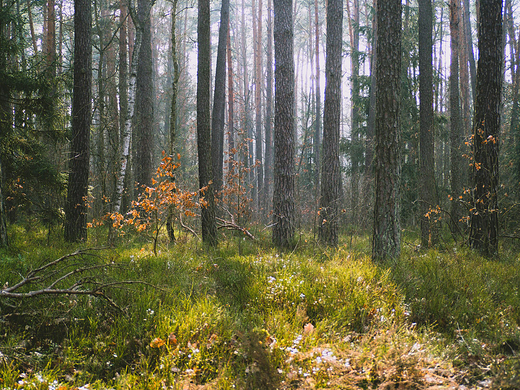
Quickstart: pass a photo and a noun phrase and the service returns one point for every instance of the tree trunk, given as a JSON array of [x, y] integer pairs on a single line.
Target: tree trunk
[[427, 131], [331, 179], [76, 208], [484, 215], [469, 47], [231, 107], [257, 33], [143, 130], [126, 135], [209, 226], [173, 114], [317, 126], [268, 122], [4, 240], [283, 195], [456, 128], [219, 100], [386, 240]]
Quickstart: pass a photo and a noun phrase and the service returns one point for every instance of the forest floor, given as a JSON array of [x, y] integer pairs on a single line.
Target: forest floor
[[245, 316]]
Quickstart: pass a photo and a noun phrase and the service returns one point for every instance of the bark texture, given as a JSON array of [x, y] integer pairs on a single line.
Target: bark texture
[[209, 225], [330, 178], [219, 99], [386, 242], [484, 214], [283, 196], [76, 208], [427, 161]]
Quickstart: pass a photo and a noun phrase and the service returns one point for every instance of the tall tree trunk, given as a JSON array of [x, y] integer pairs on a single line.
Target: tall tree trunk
[[317, 126], [371, 120], [386, 239], [469, 47], [173, 113], [356, 154], [456, 129], [258, 107], [219, 100], [331, 179], [268, 121], [126, 135], [484, 216], [209, 226], [231, 107], [76, 209], [143, 130], [283, 195], [427, 131]]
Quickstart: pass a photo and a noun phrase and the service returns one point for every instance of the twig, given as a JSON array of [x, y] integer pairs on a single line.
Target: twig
[[187, 227], [231, 225]]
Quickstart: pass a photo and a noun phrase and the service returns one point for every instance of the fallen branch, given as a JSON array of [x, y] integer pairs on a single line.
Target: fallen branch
[[60, 277], [187, 227], [232, 225]]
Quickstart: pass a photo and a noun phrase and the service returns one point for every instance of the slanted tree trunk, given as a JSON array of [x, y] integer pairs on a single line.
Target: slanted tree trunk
[[219, 99], [76, 208], [283, 195], [386, 239], [330, 170], [209, 225], [427, 161], [484, 214]]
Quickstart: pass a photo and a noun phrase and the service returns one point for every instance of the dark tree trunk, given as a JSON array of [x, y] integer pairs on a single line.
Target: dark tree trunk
[[386, 241], [427, 161], [76, 208], [144, 98], [330, 178], [484, 215], [219, 99], [456, 128], [283, 196], [209, 226]]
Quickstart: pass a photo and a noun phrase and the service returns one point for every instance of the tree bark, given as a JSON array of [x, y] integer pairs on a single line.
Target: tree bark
[[456, 127], [386, 241], [317, 126], [257, 32], [427, 131], [331, 179], [209, 225], [283, 196], [219, 99], [143, 130], [76, 208], [268, 121], [484, 214]]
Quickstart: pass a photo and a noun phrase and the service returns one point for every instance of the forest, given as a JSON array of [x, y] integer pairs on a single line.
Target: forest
[[259, 194]]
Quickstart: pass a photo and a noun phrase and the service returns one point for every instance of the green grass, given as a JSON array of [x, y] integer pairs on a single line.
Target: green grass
[[217, 319]]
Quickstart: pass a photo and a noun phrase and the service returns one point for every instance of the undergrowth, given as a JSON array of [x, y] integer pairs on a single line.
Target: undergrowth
[[217, 319]]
